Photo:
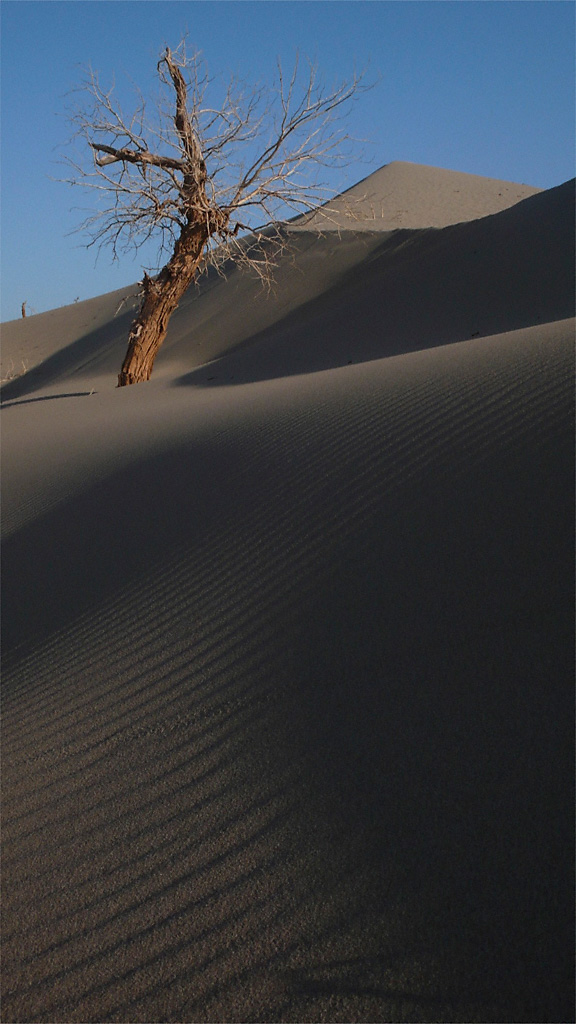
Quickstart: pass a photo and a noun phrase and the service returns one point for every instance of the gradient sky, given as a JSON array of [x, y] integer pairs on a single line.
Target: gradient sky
[[483, 87]]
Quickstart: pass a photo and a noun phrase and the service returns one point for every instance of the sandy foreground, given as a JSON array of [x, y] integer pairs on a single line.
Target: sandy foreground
[[288, 631]]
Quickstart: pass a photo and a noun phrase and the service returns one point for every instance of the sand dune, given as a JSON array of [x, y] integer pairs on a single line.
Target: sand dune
[[288, 723], [89, 336]]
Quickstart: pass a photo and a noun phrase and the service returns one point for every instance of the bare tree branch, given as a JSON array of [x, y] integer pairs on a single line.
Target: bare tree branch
[[141, 156]]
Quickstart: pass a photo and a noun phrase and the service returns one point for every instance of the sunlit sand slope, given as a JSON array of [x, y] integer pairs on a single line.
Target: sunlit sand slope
[[287, 688], [406, 195]]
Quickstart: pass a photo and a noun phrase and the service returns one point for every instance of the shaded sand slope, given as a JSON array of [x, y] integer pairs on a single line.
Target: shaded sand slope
[[426, 288], [287, 704], [288, 685]]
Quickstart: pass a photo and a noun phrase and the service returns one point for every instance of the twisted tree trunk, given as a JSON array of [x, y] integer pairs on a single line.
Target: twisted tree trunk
[[161, 297], [162, 294]]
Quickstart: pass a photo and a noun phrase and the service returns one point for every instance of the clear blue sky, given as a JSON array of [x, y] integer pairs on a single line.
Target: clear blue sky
[[483, 87]]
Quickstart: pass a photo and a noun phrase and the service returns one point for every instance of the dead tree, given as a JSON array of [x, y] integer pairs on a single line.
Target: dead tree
[[199, 177]]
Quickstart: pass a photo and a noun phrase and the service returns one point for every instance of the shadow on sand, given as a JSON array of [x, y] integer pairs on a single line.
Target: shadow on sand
[[47, 398]]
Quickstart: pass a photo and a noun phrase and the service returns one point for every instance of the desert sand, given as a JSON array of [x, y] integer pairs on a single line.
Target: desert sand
[[288, 630]]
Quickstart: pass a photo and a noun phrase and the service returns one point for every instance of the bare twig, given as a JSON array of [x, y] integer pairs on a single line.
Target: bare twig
[[12, 373]]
